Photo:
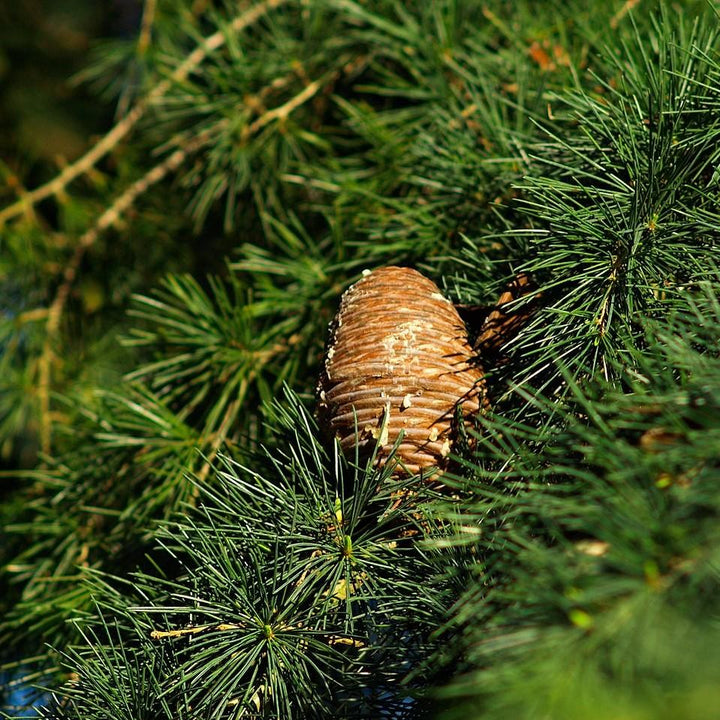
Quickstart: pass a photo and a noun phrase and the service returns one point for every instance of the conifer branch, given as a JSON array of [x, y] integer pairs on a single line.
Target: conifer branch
[[121, 129], [108, 218], [112, 215]]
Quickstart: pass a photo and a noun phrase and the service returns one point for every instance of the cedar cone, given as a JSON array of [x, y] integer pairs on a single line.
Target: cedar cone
[[398, 360]]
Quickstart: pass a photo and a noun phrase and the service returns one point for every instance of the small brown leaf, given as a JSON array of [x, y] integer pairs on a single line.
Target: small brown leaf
[[540, 56]]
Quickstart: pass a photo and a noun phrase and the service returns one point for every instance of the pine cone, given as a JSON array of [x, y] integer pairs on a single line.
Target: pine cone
[[398, 361]]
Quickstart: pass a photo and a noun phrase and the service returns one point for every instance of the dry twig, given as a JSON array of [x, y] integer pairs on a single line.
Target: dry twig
[[622, 12], [109, 218]]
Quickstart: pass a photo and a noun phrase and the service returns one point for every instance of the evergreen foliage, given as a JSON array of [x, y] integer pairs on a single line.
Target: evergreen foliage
[[291, 597], [178, 539], [600, 544]]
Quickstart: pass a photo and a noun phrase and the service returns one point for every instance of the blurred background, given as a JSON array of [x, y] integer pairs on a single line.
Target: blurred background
[[47, 116], [47, 119]]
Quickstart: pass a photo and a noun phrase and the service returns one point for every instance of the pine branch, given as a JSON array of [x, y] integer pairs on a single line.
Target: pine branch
[[255, 624], [582, 523], [604, 204], [107, 220], [84, 164], [114, 213]]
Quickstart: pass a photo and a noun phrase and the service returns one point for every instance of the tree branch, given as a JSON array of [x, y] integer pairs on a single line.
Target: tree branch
[[111, 216], [122, 128], [146, 24]]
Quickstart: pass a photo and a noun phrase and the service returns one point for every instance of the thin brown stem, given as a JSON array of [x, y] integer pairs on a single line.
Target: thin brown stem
[[109, 218], [148, 18], [282, 112], [180, 632]]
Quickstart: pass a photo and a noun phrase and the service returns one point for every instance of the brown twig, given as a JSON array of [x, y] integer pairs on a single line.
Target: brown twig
[[109, 218], [83, 164], [148, 18], [282, 112], [223, 627], [13, 183]]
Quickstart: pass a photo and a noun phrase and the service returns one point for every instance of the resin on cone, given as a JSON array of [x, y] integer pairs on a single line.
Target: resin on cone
[[398, 362]]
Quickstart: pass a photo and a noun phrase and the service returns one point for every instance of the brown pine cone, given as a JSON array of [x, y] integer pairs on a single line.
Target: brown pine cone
[[398, 360]]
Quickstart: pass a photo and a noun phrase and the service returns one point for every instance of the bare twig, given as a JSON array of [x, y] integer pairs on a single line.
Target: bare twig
[[224, 627], [148, 17], [13, 183], [282, 112], [83, 164], [109, 218]]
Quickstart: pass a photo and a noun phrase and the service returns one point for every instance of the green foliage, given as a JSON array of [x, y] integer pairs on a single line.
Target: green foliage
[[289, 597], [600, 544], [618, 206], [177, 542]]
